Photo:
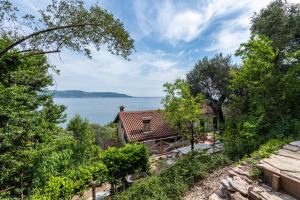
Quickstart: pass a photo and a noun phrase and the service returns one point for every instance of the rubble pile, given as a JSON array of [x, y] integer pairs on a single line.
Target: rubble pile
[[238, 185]]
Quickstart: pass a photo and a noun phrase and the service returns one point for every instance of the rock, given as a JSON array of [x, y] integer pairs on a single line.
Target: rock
[[241, 172], [239, 185], [214, 196], [264, 192], [254, 196], [221, 192], [226, 185], [232, 173], [237, 196]]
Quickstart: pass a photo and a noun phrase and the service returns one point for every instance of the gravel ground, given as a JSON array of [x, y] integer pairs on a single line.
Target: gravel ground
[[206, 187]]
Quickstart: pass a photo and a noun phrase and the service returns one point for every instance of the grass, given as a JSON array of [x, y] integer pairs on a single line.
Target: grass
[[173, 182]]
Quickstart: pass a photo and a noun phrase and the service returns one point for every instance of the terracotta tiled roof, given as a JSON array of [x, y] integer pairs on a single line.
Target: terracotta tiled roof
[[133, 125]]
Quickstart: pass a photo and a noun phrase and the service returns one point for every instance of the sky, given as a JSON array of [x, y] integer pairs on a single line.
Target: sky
[[170, 37]]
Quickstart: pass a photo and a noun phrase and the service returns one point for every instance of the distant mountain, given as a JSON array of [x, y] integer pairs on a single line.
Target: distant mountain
[[83, 94]]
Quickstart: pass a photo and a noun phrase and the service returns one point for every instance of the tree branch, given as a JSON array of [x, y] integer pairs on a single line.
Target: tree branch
[[14, 44], [42, 52], [9, 188]]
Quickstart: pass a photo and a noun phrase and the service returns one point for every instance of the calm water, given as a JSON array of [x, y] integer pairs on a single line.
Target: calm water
[[104, 110]]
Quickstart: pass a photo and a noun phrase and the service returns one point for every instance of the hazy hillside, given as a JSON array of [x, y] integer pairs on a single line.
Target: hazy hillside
[[83, 94]]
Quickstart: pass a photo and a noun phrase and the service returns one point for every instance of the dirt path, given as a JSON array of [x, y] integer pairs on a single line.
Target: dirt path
[[206, 187]]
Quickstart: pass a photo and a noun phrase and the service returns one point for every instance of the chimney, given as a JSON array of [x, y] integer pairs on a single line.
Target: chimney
[[122, 108], [147, 124]]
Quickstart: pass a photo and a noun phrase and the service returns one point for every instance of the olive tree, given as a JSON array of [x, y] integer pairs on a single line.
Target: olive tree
[[210, 77]]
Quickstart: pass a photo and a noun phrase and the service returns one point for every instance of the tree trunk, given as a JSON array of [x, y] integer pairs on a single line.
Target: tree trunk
[[221, 115], [217, 109], [112, 187], [93, 191], [193, 138]]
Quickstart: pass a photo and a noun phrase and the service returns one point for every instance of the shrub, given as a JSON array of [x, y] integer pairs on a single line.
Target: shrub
[[173, 182], [73, 182], [121, 162], [241, 137], [105, 133]]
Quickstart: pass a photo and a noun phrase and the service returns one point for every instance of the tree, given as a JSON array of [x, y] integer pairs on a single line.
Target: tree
[[210, 77], [28, 117], [265, 98], [182, 109], [126, 160], [280, 21], [104, 134], [85, 146], [63, 24]]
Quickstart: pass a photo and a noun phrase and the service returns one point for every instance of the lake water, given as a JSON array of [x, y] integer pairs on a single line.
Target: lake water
[[104, 110]]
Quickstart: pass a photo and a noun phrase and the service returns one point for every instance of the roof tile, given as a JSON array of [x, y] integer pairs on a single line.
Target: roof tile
[[133, 125]]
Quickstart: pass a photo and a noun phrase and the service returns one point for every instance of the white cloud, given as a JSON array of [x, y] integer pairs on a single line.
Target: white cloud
[[175, 21], [236, 31], [185, 26], [231, 34], [144, 75]]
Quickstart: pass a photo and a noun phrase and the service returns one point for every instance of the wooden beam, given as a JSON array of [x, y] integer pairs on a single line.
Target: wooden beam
[[275, 182]]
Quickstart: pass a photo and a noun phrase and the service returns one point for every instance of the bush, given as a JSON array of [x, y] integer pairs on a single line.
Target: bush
[[73, 182], [105, 133], [246, 135], [241, 137], [129, 159], [174, 181]]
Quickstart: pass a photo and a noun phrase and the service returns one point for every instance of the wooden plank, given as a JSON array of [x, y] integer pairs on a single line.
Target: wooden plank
[[288, 153], [295, 143], [275, 182], [284, 163], [264, 192], [269, 167], [276, 196], [291, 148]]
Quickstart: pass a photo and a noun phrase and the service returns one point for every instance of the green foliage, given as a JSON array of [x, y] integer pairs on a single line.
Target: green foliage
[[174, 181], [210, 77], [182, 109], [264, 151], [36, 155], [264, 98], [74, 181], [241, 137], [28, 117], [85, 147], [105, 133], [280, 21], [268, 148], [126, 160], [256, 173], [65, 24]]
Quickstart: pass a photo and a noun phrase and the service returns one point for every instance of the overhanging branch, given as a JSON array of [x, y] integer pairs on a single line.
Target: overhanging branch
[[23, 39]]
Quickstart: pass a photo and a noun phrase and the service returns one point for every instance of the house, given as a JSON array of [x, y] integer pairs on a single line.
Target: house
[[148, 127]]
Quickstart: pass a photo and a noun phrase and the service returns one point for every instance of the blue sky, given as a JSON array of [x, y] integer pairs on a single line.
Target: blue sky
[[170, 37]]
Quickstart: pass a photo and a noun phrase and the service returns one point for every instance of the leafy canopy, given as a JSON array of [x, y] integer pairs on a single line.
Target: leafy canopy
[[210, 77], [280, 22], [182, 109], [63, 24]]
